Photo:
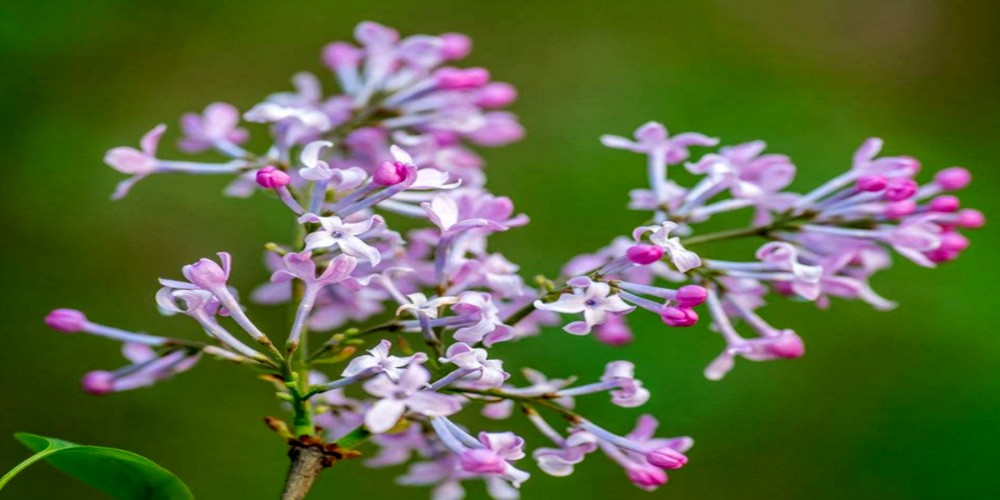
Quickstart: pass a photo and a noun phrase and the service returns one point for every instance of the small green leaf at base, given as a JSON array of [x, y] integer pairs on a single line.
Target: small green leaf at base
[[121, 474]]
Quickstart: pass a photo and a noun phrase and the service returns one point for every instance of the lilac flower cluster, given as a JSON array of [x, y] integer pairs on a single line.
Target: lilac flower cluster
[[412, 315]]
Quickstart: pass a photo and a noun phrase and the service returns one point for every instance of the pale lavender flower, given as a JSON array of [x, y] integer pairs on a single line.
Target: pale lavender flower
[[473, 367], [406, 393], [378, 360], [485, 324], [147, 368], [683, 259], [217, 127], [593, 299], [342, 235]]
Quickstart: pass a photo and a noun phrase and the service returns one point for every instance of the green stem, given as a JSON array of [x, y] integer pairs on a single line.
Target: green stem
[[297, 363], [337, 338], [545, 400], [354, 438], [23, 465]]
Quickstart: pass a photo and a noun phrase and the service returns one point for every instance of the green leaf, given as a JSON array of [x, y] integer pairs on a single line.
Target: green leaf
[[121, 474]]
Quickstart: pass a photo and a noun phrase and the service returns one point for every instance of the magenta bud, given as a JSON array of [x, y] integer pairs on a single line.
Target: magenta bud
[[644, 254], [689, 296], [788, 345], [953, 178], [496, 95], [613, 332], [666, 458], [98, 382], [271, 178], [647, 477], [482, 461], [390, 173], [953, 242], [900, 209], [971, 219], [945, 203], [461, 79], [456, 46], [871, 183], [66, 320], [900, 189], [679, 316], [942, 255], [340, 55]]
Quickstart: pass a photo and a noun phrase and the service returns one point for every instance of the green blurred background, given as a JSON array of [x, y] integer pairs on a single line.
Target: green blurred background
[[885, 405]]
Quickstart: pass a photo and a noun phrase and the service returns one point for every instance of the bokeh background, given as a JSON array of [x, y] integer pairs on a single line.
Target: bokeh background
[[891, 405]]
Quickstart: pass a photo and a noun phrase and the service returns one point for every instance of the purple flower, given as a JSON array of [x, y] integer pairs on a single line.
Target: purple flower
[[614, 331], [379, 360], [406, 393], [593, 299], [474, 365], [147, 368], [135, 162], [301, 266], [217, 127], [652, 139], [345, 236], [630, 392], [683, 259], [619, 379], [560, 461], [485, 324]]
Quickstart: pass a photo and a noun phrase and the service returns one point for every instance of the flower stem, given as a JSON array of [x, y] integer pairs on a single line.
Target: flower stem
[[544, 400]]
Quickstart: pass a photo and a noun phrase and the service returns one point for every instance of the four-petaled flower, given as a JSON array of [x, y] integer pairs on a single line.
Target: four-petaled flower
[[406, 393], [336, 233], [593, 299], [379, 360]]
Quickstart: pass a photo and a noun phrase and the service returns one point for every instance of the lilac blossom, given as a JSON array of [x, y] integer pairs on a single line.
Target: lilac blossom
[[405, 393], [398, 139]]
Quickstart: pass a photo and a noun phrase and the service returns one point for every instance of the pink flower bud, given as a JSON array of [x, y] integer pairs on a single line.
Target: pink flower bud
[[647, 478], [942, 255], [689, 296], [340, 55], [900, 189], [953, 242], [871, 183], [98, 382], [66, 320], [953, 179], [971, 219], [644, 254], [946, 203], [272, 178], [614, 331], [789, 345], [496, 95], [461, 79], [666, 458], [679, 316], [390, 173], [482, 461], [900, 209], [456, 46]]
